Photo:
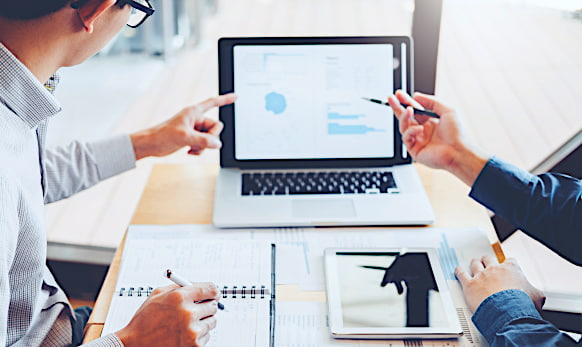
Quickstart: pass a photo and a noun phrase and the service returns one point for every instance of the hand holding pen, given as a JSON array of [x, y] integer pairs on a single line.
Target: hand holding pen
[[174, 316], [437, 143], [181, 281]]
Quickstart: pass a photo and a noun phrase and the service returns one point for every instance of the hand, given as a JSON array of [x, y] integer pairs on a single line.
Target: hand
[[170, 317], [490, 277], [188, 128], [437, 143]]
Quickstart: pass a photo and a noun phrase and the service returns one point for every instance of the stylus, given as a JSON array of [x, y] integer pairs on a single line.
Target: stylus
[[416, 110], [181, 281]]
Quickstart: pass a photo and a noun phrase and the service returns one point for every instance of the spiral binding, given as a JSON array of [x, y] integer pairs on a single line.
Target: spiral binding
[[227, 291], [245, 292], [131, 291]]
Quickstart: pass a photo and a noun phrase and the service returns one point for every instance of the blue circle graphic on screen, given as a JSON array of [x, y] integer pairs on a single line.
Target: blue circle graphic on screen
[[275, 103]]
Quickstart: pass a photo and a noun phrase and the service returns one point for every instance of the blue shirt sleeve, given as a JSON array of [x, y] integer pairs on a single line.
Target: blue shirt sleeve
[[509, 318], [547, 207]]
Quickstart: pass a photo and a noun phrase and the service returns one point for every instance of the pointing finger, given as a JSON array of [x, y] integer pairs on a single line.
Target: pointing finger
[[462, 276], [216, 101]]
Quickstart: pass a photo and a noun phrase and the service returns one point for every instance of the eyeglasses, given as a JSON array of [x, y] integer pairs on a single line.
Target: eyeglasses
[[140, 11]]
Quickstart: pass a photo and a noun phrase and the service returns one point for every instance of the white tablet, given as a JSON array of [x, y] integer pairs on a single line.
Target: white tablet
[[388, 294]]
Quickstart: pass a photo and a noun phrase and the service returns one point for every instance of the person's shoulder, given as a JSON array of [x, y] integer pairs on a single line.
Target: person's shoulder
[[8, 179]]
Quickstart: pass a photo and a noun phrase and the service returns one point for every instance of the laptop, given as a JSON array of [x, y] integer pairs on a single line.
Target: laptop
[[301, 147]]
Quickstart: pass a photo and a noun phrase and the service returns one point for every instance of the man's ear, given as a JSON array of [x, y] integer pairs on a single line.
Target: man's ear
[[91, 10]]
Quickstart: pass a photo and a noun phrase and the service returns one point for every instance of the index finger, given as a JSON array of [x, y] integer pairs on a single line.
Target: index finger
[[403, 97], [216, 101], [432, 103], [164, 289], [200, 291], [462, 276]]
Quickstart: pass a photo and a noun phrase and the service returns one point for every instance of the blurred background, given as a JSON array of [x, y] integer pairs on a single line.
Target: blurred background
[[512, 68]]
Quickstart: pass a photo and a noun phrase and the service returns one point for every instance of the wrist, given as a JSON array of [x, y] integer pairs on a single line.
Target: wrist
[[141, 142], [124, 337], [467, 163]]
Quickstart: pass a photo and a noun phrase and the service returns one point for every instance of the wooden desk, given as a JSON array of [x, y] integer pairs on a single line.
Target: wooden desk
[[184, 194]]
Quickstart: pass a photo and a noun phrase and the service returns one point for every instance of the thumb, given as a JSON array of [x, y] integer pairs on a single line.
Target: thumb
[[200, 140]]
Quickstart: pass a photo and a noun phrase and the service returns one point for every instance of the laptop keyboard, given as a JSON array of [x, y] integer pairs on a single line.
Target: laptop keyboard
[[303, 183]]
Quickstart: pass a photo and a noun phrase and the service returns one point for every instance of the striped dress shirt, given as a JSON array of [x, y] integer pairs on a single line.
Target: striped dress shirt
[[34, 311]]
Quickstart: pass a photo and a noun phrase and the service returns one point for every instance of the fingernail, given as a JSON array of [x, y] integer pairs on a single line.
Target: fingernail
[[216, 143]]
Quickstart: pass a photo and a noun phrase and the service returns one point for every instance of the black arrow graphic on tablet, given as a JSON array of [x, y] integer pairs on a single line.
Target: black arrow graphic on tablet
[[414, 270]]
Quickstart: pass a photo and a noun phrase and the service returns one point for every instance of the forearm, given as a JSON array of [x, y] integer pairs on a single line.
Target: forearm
[[509, 318], [71, 169], [466, 164], [547, 207]]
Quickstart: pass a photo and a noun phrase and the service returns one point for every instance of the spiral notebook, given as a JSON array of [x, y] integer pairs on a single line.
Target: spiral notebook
[[244, 270]]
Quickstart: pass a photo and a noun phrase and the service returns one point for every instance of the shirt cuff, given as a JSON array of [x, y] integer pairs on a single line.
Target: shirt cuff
[[502, 308], [500, 184], [110, 340], [114, 155]]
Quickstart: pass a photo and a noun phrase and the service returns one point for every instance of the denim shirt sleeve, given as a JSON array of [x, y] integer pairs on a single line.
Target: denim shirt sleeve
[[547, 207], [509, 318]]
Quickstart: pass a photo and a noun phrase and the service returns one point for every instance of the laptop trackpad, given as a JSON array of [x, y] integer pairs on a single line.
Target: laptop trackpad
[[324, 209]]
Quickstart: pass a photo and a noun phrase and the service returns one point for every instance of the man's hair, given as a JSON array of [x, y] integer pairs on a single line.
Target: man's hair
[[30, 9]]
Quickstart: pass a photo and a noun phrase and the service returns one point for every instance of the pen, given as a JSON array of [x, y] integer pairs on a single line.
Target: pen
[[181, 281], [416, 110]]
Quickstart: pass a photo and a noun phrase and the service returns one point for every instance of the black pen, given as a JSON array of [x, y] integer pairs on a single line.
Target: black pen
[[179, 280], [416, 110]]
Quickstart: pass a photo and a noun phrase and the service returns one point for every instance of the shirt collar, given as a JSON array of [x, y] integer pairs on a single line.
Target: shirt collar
[[23, 93]]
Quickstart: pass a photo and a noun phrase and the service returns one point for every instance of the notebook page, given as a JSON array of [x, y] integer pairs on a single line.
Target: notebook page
[[243, 323], [148, 253], [120, 313]]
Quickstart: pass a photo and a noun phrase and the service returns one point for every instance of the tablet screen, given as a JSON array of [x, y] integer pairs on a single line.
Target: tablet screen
[[389, 290], [304, 101]]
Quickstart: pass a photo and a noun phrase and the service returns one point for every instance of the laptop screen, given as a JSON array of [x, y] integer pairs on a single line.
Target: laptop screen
[[305, 101]]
